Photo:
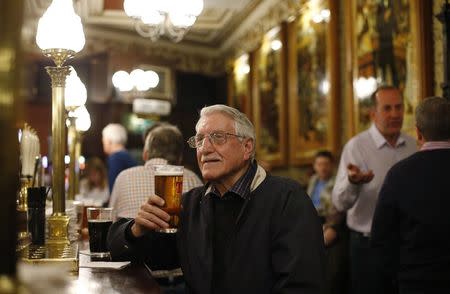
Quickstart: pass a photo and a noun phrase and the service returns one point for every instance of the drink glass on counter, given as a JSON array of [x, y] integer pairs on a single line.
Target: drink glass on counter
[[99, 220], [169, 185]]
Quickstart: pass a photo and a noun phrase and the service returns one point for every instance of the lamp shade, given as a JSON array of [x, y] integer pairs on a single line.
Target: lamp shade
[[83, 122], [60, 28], [75, 91]]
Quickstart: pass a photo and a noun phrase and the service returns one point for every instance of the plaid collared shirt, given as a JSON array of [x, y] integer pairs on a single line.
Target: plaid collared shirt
[[133, 186], [242, 186]]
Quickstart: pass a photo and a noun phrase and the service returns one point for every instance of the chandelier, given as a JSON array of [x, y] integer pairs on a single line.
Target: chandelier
[[155, 18]]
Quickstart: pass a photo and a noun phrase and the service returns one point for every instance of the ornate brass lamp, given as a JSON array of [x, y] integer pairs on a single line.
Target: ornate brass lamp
[[75, 97], [60, 36]]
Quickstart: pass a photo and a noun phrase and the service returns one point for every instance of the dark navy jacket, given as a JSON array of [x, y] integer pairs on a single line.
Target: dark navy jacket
[[277, 246]]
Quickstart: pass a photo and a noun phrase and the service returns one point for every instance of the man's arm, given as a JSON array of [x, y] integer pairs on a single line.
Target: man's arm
[[121, 246], [157, 250], [346, 192], [297, 246]]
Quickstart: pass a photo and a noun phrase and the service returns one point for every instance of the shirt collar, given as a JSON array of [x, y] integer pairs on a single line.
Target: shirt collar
[[381, 141], [241, 187], [435, 145], [155, 161]]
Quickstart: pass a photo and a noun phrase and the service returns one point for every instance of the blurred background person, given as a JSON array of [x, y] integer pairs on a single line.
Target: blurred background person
[[365, 161], [335, 232], [163, 145], [410, 229], [114, 139], [94, 185]]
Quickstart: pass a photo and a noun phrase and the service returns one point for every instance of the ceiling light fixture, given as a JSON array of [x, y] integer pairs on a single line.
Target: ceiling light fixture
[[172, 18]]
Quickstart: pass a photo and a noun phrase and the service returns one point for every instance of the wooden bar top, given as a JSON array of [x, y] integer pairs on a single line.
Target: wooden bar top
[[135, 278]]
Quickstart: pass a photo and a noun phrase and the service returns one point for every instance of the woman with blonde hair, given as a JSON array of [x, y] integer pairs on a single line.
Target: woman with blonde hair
[[94, 186]]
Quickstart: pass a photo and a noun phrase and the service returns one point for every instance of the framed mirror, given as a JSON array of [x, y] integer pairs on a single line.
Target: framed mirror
[[385, 40], [269, 95], [313, 79]]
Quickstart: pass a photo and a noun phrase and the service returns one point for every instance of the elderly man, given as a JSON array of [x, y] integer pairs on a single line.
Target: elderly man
[[114, 139], [244, 231], [411, 222], [365, 160]]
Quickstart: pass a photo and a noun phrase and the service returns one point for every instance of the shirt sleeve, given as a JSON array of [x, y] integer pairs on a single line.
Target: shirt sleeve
[[345, 193]]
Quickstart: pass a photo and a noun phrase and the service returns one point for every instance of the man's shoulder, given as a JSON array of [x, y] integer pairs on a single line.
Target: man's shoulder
[[410, 140], [364, 135], [279, 185], [193, 195], [439, 157], [361, 138], [132, 171], [121, 155]]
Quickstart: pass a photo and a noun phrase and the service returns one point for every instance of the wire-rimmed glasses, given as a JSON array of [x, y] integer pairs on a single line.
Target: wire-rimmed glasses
[[216, 138]]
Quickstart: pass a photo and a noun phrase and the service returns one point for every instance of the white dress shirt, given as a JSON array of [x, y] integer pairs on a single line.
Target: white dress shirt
[[368, 150]]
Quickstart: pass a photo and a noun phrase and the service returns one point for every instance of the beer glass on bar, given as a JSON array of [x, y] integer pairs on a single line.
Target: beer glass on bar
[[169, 185], [99, 220]]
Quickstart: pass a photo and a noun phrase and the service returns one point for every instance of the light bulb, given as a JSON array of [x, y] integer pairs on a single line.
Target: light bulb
[[60, 28]]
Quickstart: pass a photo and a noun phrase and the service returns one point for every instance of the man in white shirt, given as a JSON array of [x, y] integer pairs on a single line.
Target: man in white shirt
[[365, 160]]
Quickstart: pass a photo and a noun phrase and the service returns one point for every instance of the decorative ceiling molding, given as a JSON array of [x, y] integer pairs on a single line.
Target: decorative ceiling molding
[[178, 58], [225, 28], [269, 14]]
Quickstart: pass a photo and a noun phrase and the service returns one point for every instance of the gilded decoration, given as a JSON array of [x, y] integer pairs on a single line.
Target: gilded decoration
[[279, 12], [384, 35], [438, 49]]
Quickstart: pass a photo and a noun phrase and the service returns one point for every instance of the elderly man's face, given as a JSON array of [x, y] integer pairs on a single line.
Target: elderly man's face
[[222, 164]]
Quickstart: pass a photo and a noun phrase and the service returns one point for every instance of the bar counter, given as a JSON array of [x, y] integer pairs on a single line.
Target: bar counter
[[135, 278], [54, 278]]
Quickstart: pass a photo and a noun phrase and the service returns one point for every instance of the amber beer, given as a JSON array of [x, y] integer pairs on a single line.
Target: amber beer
[[169, 185]]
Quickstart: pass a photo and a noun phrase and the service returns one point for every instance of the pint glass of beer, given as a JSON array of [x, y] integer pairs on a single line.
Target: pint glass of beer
[[168, 185], [99, 220]]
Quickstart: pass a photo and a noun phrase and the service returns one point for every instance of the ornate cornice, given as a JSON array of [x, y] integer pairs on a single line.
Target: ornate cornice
[[178, 57], [267, 15]]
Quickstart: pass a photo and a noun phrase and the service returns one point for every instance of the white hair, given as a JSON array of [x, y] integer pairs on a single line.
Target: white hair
[[242, 125], [115, 133]]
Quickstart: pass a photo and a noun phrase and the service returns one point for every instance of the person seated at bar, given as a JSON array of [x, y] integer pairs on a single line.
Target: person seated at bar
[[335, 232], [163, 145], [94, 186], [244, 231]]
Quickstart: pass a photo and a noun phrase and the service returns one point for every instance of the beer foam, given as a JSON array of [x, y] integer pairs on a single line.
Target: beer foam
[[168, 173], [99, 220]]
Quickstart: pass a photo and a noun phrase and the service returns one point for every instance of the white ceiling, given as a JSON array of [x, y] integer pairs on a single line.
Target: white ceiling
[[217, 21], [222, 27]]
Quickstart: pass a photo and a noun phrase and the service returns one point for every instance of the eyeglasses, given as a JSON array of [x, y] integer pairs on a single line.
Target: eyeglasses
[[216, 138]]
